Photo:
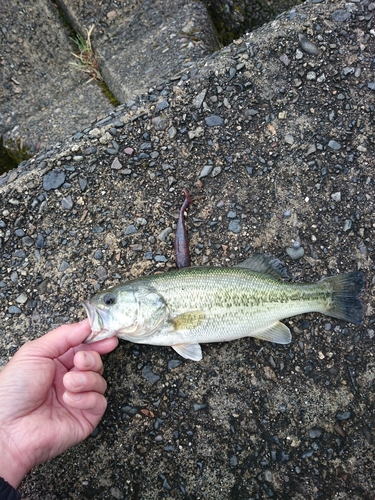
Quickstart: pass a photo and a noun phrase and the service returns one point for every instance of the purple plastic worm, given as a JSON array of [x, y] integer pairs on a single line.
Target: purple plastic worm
[[181, 244]]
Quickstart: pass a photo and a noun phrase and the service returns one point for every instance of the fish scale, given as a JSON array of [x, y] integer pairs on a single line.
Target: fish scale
[[186, 307]]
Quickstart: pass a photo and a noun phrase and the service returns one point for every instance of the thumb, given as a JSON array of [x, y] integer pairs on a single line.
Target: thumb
[[57, 342]]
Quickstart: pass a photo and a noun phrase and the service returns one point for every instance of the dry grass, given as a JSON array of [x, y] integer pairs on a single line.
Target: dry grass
[[86, 57]]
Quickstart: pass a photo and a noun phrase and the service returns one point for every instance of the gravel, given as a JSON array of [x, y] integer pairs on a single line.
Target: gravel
[[293, 421]]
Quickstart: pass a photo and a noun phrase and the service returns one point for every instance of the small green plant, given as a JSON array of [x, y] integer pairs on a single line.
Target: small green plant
[[13, 152], [86, 57]]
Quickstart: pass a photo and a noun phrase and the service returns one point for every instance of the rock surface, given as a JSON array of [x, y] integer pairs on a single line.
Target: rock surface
[[251, 420]]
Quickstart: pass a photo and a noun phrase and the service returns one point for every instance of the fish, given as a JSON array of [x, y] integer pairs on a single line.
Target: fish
[[181, 244], [186, 307]]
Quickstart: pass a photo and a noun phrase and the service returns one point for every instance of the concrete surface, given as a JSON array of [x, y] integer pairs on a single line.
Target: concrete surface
[[289, 137]]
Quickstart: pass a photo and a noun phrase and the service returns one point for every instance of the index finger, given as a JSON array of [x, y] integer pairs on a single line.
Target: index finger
[[57, 342]]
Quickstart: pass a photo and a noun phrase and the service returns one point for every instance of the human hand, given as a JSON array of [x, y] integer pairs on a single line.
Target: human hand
[[51, 398]]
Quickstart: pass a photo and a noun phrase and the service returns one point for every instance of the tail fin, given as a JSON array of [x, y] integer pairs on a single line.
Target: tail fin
[[345, 303]]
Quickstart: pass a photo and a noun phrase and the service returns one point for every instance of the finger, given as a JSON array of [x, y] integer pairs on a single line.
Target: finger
[[88, 360], [80, 382], [59, 341], [92, 402], [102, 347]]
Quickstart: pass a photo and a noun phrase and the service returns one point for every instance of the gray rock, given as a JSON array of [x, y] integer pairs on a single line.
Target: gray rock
[[295, 253], [341, 15], [206, 170], [131, 229], [101, 273], [149, 375], [53, 179], [214, 121], [116, 164], [235, 226], [163, 236], [198, 99], [67, 203], [98, 254], [307, 46], [334, 145], [162, 105], [14, 310], [63, 266], [22, 298]]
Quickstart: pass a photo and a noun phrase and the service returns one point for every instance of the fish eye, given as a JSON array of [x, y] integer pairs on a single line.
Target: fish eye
[[109, 299]]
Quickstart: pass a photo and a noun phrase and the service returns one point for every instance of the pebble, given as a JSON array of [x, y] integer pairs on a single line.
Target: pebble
[[14, 310], [340, 15], [334, 145], [160, 123], [173, 363], [299, 55], [165, 233], [336, 196], [307, 46], [206, 170], [160, 258], [22, 298], [285, 59], [82, 183], [63, 266], [172, 131], [200, 406], [198, 99], [289, 139], [131, 229], [315, 432], [116, 164], [129, 151], [250, 112], [214, 121], [197, 132], [53, 179], [295, 253], [235, 226], [67, 203], [98, 255], [343, 415], [149, 375], [101, 273], [131, 411], [162, 105]]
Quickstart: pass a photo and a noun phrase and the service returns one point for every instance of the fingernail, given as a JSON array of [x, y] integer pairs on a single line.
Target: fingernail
[[88, 359]]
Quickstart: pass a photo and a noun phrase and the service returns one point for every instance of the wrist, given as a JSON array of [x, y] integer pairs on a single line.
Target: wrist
[[11, 470]]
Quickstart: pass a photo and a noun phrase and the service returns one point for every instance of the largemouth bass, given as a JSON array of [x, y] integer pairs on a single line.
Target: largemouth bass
[[194, 305]]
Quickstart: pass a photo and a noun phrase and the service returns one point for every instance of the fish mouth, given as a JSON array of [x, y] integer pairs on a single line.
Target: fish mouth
[[98, 331]]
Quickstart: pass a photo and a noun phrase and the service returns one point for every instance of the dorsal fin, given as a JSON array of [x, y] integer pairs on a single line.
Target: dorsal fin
[[265, 264]]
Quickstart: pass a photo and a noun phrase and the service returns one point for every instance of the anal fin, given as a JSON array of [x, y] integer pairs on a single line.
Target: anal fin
[[277, 333], [189, 351]]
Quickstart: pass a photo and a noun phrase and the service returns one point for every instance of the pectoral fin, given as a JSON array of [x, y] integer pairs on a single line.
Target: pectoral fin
[[188, 320], [189, 351], [278, 333]]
